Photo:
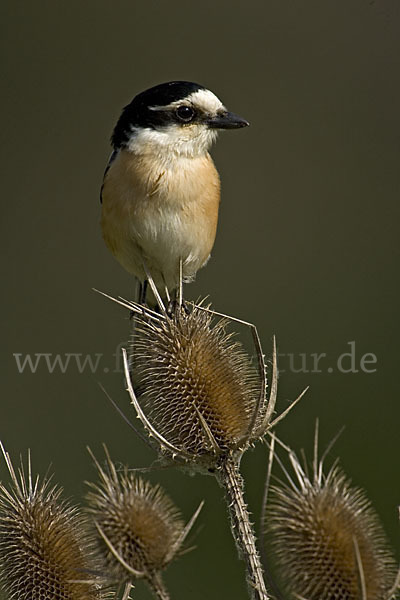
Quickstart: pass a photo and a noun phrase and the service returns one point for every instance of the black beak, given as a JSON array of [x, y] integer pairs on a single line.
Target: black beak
[[227, 120]]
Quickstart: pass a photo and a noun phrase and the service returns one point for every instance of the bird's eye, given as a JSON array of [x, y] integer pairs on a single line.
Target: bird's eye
[[185, 113]]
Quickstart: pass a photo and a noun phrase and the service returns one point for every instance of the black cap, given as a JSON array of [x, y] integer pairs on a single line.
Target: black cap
[[138, 114]]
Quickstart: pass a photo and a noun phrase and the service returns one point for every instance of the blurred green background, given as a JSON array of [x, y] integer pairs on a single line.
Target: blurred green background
[[307, 246]]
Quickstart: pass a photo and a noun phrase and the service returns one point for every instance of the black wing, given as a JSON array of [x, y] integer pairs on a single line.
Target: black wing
[[113, 156]]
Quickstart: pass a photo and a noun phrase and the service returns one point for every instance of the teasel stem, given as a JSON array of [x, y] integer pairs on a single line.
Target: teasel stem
[[242, 528], [157, 585]]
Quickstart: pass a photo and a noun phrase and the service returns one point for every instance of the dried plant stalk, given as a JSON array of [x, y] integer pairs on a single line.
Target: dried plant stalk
[[204, 403], [242, 529]]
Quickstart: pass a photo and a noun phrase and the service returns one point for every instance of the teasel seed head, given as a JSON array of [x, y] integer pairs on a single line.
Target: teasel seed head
[[140, 529], [196, 386], [326, 538], [45, 553]]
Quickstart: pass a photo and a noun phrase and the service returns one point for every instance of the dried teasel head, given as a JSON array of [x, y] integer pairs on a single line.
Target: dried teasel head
[[140, 529], [45, 553], [326, 539], [198, 393]]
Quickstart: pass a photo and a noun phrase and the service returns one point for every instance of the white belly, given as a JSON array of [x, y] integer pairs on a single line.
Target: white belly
[[167, 236]]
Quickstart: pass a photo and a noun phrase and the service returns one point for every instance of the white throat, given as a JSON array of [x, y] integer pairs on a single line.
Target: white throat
[[189, 141]]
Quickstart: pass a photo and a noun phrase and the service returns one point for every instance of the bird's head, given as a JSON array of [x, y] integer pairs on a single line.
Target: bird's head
[[177, 117]]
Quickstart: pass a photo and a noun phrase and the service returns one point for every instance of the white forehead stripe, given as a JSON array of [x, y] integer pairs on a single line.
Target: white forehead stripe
[[203, 99]]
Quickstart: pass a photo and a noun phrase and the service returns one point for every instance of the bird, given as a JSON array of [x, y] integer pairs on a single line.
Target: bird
[[161, 190]]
